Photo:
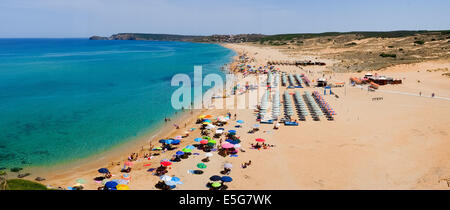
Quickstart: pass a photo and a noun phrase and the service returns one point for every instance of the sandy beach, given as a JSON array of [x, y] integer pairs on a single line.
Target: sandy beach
[[399, 142]]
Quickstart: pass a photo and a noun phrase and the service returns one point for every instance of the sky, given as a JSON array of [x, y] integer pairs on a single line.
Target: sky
[[84, 18]]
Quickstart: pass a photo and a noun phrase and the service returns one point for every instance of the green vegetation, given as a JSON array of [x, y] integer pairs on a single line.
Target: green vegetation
[[419, 42], [365, 34], [21, 184], [385, 55]]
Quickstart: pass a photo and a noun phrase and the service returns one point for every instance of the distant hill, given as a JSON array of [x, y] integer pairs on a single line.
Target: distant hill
[[260, 37], [141, 36]]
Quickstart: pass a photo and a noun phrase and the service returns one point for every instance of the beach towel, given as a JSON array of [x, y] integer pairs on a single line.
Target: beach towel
[[233, 155]]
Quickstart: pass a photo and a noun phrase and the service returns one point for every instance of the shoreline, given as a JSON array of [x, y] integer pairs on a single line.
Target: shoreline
[[120, 152]]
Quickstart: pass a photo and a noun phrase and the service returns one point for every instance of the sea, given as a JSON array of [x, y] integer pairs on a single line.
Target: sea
[[66, 99]]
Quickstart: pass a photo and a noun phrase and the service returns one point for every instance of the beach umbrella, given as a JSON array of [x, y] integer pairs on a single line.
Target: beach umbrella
[[216, 184], [170, 183], [207, 137], [162, 141], [208, 116], [240, 121], [122, 187], [120, 181], [209, 154], [237, 146], [103, 170], [232, 131], [166, 163], [179, 153], [205, 123], [227, 165], [190, 147], [207, 120], [212, 141], [165, 178], [176, 141], [126, 177], [201, 165], [215, 178], [186, 150], [128, 163], [204, 141], [201, 116], [158, 148], [198, 139], [111, 185], [260, 140], [210, 144], [175, 179], [226, 179], [227, 145]]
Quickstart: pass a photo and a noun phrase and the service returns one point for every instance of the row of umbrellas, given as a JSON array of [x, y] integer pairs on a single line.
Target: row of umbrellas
[[301, 106], [315, 109], [288, 110], [299, 79]]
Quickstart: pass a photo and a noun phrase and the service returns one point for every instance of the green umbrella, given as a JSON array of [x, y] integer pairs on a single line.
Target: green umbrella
[[207, 137], [216, 184], [186, 150], [201, 165], [210, 144], [212, 141]]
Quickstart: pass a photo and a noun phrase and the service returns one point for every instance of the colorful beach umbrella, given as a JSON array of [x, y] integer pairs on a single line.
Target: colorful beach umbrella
[[111, 185], [212, 141], [227, 145], [204, 141], [166, 163], [227, 165], [240, 121], [176, 141], [103, 170], [165, 178], [215, 178], [201, 165], [260, 140], [186, 150], [179, 153], [198, 139], [226, 179], [190, 147], [208, 116], [216, 184], [122, 187], [207, 137]]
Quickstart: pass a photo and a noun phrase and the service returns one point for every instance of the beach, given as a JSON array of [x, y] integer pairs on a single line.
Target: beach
[[399, 142]]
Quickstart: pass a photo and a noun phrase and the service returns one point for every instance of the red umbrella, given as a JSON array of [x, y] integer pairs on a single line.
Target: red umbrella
[[204, 141], [166, 163], [260, 140]]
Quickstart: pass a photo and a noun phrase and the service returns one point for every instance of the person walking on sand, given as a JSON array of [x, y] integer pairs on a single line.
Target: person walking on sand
[[432, 95], [420, 93]]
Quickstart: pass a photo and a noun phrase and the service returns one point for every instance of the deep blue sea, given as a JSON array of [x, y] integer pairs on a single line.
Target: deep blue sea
[[66, 99]]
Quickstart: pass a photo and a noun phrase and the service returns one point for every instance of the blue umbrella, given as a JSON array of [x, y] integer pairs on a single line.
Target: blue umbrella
[[190, 147], [180, 153], [176, 141], [175, 179], [198, 139], [226, 179], [162, 141], [232, 131], [103, 170], [111, 184], [240, 121], [215, 178]]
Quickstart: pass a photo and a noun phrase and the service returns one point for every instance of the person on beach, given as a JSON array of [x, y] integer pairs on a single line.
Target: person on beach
[[432, 95]]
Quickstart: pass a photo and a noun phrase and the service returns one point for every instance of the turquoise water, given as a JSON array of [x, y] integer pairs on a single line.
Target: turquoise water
[[65, 99]]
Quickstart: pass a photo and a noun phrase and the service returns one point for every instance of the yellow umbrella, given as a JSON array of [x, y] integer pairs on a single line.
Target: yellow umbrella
[[122, 187], [201, 116], [206, 123]]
